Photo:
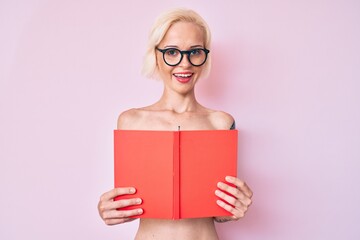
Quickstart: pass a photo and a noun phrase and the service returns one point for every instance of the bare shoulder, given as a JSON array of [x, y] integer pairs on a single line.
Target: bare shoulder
[[221, 120], [127, 118]]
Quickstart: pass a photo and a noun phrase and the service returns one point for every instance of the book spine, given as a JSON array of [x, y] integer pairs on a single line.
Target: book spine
[[176, 174]]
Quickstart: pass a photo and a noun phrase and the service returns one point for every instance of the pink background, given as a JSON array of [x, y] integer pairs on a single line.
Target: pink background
[[288, 71]]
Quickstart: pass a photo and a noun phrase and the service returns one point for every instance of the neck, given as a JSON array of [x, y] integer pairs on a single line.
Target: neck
[[177, 102]]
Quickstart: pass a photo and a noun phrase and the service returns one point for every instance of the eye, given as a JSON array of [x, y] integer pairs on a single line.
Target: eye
[[172, 52], [195, 52]]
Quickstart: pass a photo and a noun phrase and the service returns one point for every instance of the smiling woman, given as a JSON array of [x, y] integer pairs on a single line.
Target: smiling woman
[[160, 28], [188, 37], [178, 55]]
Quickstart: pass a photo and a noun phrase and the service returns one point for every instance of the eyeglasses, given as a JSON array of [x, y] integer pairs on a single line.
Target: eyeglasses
[[173, 56]]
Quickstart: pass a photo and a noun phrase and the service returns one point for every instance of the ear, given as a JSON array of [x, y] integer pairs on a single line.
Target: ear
[[156, 74]]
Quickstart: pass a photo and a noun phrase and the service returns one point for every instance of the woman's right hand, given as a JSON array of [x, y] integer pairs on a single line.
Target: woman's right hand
[[110, 210]]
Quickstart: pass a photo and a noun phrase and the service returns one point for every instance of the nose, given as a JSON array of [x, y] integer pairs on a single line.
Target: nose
[[185, 61]]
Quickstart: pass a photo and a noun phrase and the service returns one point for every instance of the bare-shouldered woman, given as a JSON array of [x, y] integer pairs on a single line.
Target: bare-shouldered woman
[[178, 54]]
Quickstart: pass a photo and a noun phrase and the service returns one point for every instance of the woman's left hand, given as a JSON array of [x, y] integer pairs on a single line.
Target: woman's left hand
[[235, 200]]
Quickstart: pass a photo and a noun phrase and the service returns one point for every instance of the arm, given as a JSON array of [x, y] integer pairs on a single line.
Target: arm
[[110, 210], [235, 200]]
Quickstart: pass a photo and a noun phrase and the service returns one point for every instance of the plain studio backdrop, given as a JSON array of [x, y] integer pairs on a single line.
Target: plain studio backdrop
[[288, 71]]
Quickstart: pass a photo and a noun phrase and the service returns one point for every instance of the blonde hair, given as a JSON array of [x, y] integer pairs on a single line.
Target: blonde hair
[[158, 31]]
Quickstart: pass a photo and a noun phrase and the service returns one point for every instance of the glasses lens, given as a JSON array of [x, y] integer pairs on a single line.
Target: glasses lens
[[197, 57], [172, 56]]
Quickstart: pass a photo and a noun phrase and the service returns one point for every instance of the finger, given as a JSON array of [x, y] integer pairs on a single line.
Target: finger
[[231, 200], [118, 221], [239, 194], [117, 192], [237, 213], [124, 203], [240, 184], [121, 214], [113, 205]]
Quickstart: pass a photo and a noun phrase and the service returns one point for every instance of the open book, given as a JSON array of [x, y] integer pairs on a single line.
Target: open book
[[175, 173]]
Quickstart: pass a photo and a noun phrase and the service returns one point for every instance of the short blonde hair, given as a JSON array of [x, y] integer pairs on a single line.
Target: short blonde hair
[[158, 31]]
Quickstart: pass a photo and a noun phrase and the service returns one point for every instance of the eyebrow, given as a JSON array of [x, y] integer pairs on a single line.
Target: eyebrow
[[175, 46], [170, 46], [196, 46]]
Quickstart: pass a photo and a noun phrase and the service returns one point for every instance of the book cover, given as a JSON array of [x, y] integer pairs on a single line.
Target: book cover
[[175, 172]]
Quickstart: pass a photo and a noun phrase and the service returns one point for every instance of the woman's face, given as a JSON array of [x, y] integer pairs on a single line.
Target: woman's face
[[182, 77]]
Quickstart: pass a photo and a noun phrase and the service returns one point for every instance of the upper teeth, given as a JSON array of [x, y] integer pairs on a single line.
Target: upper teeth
[[183, 75]]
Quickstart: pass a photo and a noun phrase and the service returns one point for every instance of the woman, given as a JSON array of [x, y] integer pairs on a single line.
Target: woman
[[178, 55]]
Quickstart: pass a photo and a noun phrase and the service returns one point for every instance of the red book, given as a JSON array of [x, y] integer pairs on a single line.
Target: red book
[[175, 173]]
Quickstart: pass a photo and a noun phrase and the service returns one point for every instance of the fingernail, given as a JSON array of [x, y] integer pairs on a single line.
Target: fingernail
[[138, 201], [132, 190], [228, 178], [220, 184], [140, 211], [217, 193]]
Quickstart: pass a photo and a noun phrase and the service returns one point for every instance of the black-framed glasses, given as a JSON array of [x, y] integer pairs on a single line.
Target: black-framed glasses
[[174, 56]]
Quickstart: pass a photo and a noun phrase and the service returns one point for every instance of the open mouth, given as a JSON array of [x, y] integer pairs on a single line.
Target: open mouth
[[183, 77]]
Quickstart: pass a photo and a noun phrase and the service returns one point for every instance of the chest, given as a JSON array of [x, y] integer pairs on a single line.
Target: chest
[[172, 121]]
